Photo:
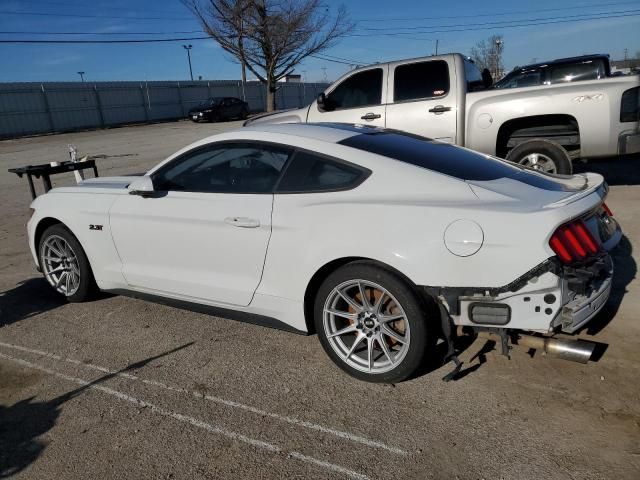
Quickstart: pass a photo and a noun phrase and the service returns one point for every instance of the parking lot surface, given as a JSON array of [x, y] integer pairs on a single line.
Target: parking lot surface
[[122, 388]]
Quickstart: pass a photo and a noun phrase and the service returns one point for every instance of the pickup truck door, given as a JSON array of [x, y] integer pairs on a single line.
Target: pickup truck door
[[203, 233], [358, 98], [423, 99]]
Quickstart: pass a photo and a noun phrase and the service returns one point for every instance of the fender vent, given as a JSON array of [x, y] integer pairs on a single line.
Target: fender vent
[[490, 313]]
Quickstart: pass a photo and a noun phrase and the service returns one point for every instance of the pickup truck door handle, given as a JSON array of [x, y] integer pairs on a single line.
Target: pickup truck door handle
[[370, 116], [242, 222], [439, 109]]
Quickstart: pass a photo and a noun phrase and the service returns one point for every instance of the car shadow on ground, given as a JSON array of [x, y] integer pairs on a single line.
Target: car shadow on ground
[[623, 170], [23, 423], [28, 298], [625, 270]]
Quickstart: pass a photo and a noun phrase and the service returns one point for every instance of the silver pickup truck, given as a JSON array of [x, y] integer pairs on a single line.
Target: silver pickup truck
[[445, 97]]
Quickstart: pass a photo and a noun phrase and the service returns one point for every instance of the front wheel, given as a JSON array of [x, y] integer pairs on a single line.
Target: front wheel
[[65, 265], [371, 323], [542, 155]]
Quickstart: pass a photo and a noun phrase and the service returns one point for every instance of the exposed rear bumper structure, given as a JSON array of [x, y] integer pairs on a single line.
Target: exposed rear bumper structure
[[584, 297]]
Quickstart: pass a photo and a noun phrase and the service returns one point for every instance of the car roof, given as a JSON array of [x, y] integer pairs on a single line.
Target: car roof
[[562, 61]]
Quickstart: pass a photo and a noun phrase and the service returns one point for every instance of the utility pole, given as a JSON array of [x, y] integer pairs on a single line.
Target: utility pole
[[188, 49], [626, 52], [324, 71], [436, 46], [81, 76]]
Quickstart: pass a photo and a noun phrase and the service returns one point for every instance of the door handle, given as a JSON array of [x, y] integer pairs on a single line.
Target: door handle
[[370, 116], [242, 222], [439, 109]]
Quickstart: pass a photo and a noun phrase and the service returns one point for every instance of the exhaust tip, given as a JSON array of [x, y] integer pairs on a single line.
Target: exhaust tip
[[580, 351]]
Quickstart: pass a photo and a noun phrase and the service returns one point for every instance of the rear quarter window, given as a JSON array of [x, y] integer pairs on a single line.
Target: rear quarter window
[[309, 173]]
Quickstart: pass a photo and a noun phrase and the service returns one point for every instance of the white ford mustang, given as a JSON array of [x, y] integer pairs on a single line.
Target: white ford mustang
[[377, 240]]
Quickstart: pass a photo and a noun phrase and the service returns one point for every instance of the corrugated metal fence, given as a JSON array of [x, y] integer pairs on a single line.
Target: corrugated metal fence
[[32, 108]]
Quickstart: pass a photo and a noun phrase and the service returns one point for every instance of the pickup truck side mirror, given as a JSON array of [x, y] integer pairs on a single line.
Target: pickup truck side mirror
[[487, 79], [142, 186], [323, 105]]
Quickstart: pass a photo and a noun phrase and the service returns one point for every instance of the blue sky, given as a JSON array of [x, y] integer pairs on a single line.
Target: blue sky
[[167, 61]]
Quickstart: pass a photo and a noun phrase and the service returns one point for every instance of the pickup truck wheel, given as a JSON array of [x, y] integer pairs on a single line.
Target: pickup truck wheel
[[542, 155], [371, 323], [65, 265]]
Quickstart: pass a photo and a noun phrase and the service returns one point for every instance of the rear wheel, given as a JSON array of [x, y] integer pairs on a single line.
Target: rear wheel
[[371, 323], [65, 265], [543, 155], [244, 114]]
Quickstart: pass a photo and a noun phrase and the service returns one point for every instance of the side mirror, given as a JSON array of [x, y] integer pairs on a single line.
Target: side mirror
[[142, 186], [322, 102], [487, 79]]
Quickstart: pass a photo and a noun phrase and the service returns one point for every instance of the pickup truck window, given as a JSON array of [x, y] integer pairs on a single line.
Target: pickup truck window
[[523, 79], [414, 81], [473, 75], [577, 72], [362, 89]]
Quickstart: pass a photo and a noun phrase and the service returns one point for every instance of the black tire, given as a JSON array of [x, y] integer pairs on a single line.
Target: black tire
[[87, 285], [244, 114], [546, 148], [420, 338]]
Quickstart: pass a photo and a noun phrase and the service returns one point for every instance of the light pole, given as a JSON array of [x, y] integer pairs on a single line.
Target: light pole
[[81, 76], [498, 52], [188, 49]]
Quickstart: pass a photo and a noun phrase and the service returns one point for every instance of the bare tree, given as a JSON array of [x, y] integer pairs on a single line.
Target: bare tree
[[270, 37], [488, 54]]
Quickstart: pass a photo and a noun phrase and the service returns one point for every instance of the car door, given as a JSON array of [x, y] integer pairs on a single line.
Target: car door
[[203, 235], [424, 99], [359, 98]]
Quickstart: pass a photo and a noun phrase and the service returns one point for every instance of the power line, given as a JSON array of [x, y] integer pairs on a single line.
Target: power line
[[101, 33], [494, 14], [501, 22], [146, 40], [93, 6], [389, 34], [492, 27], [78, 15]]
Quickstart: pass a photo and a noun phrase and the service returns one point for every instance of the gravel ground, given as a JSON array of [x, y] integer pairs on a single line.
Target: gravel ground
[[121, 388]]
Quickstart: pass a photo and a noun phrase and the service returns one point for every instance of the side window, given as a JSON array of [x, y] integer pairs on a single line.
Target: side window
[[225, 168], [575, 72], [421, 80], [359, 90], [473, 75], [527, 79], [312, 173]]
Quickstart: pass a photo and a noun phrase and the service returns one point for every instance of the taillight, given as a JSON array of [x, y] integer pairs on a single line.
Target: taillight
[[573, 242], [607, 209]]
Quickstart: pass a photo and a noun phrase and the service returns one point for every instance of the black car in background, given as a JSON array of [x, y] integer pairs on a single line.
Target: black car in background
[[574, 69], [215, 109]]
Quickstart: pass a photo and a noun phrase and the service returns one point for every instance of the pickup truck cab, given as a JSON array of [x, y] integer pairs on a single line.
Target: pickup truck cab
[[445, 98]]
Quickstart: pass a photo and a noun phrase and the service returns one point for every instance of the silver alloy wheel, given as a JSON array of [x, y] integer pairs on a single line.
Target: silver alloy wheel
[[60, 265], [366, 326], [539, 161]]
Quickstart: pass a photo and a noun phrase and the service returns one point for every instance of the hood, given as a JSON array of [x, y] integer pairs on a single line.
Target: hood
[[536, 189]]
